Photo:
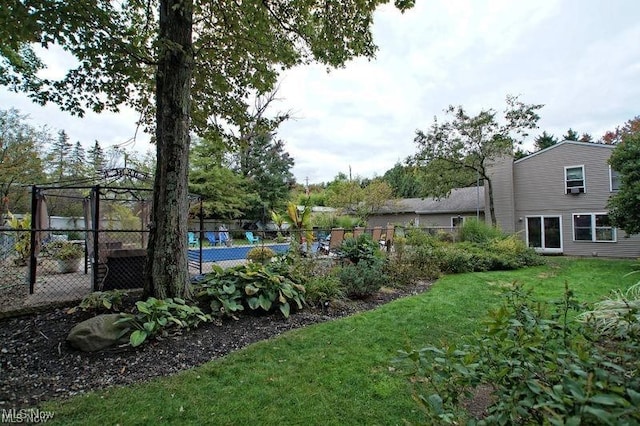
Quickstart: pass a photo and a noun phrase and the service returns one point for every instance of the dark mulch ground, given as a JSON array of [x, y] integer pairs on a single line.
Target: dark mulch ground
[[37, 365]]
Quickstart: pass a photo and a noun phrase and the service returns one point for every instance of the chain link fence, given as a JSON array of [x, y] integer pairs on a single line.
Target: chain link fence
[[112, 259]]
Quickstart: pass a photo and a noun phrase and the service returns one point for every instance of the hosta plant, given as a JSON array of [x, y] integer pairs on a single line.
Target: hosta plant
[[101, 300], [155, 316], [257, 286]]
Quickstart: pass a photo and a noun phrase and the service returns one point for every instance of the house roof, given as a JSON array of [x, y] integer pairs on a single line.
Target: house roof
[[460, 200], [565, 142]]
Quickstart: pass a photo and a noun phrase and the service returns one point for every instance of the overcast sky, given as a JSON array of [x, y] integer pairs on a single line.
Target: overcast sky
[[580, 58]]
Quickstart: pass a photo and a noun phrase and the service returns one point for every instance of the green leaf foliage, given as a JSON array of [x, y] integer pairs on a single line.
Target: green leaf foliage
[[155, 317], [256, 286], [455, 153], [541, 366], [624, 206], [101, 300]]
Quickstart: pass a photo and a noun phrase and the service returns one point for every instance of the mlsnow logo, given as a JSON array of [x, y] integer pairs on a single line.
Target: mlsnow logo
[[26, 415]]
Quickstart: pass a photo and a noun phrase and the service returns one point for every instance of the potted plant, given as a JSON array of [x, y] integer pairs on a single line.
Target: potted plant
[[68, 255]]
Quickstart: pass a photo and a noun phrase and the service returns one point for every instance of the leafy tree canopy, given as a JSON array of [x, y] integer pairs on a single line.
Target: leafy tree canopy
[[613, 137], [624, 206], [191, 65], [451, 151], [404, 181], [20, 160]]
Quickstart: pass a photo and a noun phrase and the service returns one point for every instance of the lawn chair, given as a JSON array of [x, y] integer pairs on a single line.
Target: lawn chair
[[337, 235], [211, 237], [389, 238], [193, 240], [251, 238]]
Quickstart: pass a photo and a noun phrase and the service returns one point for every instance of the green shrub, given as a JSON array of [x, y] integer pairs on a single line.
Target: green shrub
[[497, 255], [22, 242], [424, 260], [401, 273], [347, 222], [261, 254], [362, 248], [476, 231], [444, 236], [364, 278], [418, 237], [541, 368], [324, 221], [323, 289]]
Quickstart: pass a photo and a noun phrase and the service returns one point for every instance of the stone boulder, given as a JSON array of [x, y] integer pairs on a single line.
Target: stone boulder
[[97, 333]]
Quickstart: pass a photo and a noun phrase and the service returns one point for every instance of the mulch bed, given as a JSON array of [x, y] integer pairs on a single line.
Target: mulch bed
[[37, 365]]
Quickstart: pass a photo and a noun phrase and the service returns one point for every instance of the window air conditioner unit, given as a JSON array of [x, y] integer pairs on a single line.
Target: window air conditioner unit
[[575, 191]]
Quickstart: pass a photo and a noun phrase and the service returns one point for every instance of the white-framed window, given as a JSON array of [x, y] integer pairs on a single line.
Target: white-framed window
[[456, 221], [614, 180], [593, 227], [574, 181]]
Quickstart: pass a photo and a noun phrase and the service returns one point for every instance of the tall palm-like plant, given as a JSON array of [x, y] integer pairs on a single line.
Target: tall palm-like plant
[[279, 220], [300, 221]]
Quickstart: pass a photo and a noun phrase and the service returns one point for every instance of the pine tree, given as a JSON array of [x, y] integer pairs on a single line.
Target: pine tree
[[571, 135], [59, 155], [96, 159], [77, 161], [544, 141]]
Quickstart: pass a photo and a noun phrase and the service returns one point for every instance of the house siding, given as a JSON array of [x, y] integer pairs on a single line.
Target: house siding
[[421, 220], [396, 219], [500, 172], [539, 190]]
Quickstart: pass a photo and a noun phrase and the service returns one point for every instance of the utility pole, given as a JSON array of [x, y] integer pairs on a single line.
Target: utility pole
[[306, 179]]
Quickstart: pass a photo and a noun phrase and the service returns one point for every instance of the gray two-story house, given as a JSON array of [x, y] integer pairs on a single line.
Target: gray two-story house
[[556, 200]]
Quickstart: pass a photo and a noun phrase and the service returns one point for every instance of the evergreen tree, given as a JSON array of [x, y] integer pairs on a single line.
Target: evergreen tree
[[77, 162], [403, 181], [266, 166], [571, 135], [96, 159], [544, 141], [586, 137], [59, 155]]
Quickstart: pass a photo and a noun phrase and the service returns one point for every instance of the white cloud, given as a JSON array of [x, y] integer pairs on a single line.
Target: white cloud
[[578, 57]]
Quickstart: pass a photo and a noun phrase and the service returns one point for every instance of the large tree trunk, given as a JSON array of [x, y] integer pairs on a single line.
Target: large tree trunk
[[492, 209], [167, 269]]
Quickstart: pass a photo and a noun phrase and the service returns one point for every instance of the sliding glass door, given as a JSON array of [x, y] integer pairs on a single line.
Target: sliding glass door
[[544, 233]]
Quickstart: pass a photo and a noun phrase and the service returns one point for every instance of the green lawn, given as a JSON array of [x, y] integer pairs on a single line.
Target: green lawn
[[340, 372]]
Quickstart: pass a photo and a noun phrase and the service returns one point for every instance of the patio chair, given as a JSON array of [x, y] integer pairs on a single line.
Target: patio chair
[[376, 234], [193, 240], [211, 237], [357, 231], [251, 238], [337, 235]]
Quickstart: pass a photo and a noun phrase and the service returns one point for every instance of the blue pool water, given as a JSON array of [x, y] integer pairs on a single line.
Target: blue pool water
[[216, 254]]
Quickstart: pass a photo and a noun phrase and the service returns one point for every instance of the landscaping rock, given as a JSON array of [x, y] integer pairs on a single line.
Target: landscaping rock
[[97, 333]]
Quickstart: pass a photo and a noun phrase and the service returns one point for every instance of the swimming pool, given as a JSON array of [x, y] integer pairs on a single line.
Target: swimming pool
[[217, 254]]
